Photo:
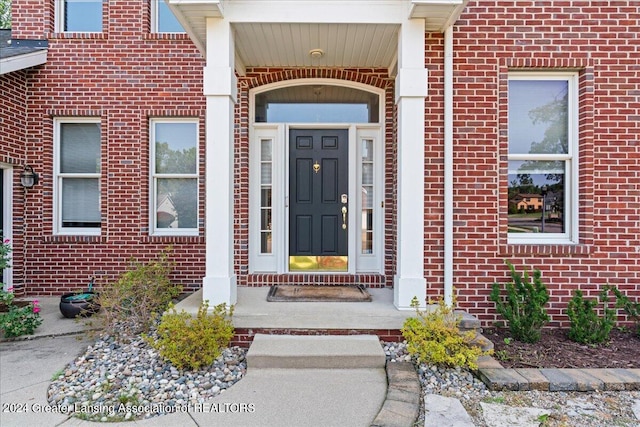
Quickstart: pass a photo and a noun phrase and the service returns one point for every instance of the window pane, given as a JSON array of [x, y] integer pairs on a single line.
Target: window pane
[[79, 147], [80, 202], [367, 150], [317, 104], [265, 242], [167, 22], [538, 117], [176, 147], [367, 231], [367, 174], [83, 16], [265, 150], [177, 203], [367, 196], [265, 221], [318, 113], [265, 199], [265, 173], [537, 192]]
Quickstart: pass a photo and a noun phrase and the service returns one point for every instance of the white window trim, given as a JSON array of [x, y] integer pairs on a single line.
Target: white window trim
[[59, 19], [155, 23], [260, 262], [153, 231], [571, 199], [370, 262], [58, 229]]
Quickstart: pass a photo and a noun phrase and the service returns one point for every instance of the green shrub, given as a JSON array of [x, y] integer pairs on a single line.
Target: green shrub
[[523, 307], [19, 318], [586, 326], [192, 342], [434, 337], [631, 308], [135, 301]]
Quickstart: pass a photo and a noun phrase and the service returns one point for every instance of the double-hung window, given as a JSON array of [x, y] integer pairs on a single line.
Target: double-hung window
[[542, 181], [174, 177], [77, 172], [79, 16], [162, 18]]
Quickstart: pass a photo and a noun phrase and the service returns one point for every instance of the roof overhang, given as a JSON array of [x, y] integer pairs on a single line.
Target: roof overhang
[[438, 14], [20, 62], [282, 32]]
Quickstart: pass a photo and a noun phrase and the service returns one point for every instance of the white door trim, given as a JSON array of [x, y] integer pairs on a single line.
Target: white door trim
[[7, 216], [277, 261]]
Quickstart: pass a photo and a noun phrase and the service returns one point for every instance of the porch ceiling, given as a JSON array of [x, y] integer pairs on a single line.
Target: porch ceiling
[[350, 33], [342, 45]]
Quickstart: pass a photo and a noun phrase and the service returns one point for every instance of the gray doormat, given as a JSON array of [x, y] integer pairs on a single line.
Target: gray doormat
[[314, 293]]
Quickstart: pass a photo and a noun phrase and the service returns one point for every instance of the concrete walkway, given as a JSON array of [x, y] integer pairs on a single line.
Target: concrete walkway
[[265, 397]]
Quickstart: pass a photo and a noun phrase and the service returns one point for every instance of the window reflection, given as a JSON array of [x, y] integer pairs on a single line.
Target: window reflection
[[536, 197]]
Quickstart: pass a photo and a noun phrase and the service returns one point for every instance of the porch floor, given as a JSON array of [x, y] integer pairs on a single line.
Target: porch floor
[[253, 311]]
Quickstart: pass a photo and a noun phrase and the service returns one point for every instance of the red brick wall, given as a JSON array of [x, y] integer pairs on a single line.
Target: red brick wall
[[599, 40], [31, 19], [124, 76]]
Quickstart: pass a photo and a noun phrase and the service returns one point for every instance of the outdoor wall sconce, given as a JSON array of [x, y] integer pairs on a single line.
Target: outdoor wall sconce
[[28, 178]]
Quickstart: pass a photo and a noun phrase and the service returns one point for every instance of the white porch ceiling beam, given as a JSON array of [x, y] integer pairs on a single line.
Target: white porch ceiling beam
[[313, 11]]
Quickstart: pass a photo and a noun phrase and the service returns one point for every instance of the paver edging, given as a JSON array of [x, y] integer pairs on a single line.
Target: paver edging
[[499, 378], [401, 405]]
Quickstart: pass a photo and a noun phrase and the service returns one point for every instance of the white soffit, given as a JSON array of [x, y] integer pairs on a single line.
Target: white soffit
[[20, 62], [438, 14], [288, 45], [351, 33]]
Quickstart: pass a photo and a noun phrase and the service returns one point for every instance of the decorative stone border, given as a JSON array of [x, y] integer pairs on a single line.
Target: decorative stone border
[[401, 406], [499, 378]]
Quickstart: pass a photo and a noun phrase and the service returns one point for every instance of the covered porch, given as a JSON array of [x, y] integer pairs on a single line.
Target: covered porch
[[235, 36]]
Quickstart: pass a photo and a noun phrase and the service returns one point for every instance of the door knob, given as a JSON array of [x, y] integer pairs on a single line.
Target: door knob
[[344, 217]]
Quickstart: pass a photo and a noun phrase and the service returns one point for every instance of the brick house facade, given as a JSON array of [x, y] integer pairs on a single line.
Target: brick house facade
[[448, 231]]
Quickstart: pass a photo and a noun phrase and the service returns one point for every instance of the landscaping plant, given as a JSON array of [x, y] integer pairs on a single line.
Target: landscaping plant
[[434, 337], [136, 300], [18, 320], [523, 305], [587, 327], [193, 342], [631, 308]]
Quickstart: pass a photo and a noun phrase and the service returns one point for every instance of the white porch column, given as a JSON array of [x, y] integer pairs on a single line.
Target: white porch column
[[411, 91], [219, 284]]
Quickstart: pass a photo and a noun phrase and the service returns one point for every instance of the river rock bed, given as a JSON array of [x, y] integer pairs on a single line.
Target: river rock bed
[[119, 381]]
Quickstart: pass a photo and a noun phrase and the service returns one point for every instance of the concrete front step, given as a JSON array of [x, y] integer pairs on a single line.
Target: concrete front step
[[315, 352]]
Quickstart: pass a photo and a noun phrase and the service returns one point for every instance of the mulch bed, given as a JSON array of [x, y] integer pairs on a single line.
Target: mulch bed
[[556, 350]]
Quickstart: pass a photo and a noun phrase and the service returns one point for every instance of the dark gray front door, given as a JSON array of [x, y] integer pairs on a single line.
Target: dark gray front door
[[318, 188]]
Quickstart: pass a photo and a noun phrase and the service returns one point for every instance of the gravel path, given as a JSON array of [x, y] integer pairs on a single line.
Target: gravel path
[[584, 409]]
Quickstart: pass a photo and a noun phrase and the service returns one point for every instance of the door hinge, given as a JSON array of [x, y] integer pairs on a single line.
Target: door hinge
[[382, 204]]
